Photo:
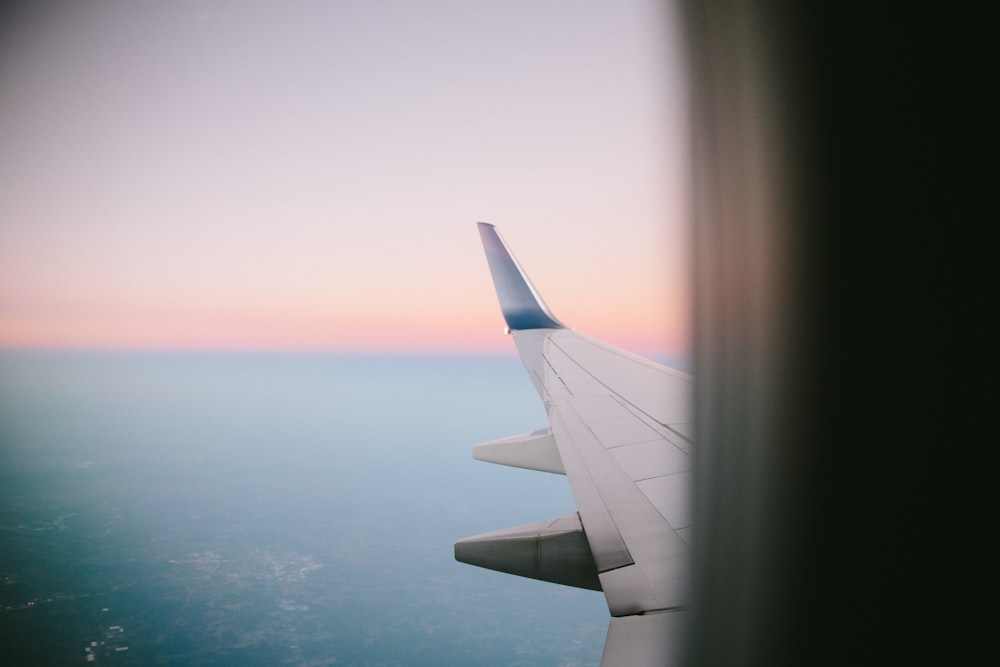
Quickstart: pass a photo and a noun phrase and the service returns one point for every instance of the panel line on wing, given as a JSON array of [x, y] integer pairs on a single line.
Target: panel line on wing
[[633, 510], [671, 496], [625, 521], [610, 551], [641, 516], [636, 362], [639, 413]]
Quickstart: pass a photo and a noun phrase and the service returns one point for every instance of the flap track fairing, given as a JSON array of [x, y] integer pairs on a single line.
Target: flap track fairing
[[535, 451], [555, 551]]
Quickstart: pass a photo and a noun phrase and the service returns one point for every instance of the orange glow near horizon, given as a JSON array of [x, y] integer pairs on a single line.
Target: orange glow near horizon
[[438, 300], [474, 330]]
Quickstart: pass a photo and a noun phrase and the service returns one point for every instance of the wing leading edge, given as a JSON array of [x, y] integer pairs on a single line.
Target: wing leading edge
[[620, 430]]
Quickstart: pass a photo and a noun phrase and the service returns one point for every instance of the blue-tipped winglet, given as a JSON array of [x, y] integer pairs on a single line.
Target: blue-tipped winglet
[[521, 304]]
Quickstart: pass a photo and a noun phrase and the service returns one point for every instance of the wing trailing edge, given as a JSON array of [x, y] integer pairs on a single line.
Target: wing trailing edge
[[644, 639]]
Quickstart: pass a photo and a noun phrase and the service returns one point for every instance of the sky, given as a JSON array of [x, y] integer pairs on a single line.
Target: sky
[[307, 175]]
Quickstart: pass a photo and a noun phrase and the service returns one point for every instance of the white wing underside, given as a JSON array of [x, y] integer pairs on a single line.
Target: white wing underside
[[621, 426]]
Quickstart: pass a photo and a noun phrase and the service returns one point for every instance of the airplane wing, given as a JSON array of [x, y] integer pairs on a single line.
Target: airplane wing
[[620, 430]]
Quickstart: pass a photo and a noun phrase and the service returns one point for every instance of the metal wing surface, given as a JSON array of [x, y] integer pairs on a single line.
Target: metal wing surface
[[620, 430]]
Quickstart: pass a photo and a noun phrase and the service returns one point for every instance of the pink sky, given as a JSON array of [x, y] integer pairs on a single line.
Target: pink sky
[[308, 175]]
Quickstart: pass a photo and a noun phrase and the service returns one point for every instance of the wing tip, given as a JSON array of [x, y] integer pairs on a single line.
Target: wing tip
[[521, 304]]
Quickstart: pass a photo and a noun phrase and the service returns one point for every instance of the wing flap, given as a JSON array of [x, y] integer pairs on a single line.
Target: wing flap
[[644, 641]]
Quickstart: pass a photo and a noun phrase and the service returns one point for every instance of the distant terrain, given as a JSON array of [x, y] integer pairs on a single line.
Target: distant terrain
[[171, 509]]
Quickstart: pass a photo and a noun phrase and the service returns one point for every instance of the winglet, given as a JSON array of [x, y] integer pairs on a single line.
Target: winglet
[[521, 304]]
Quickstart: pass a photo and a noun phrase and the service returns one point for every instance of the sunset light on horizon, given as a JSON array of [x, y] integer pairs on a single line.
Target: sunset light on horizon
[[307, 176]]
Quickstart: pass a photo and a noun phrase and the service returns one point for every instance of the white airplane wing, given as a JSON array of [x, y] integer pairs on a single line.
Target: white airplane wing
[[620, 430]]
